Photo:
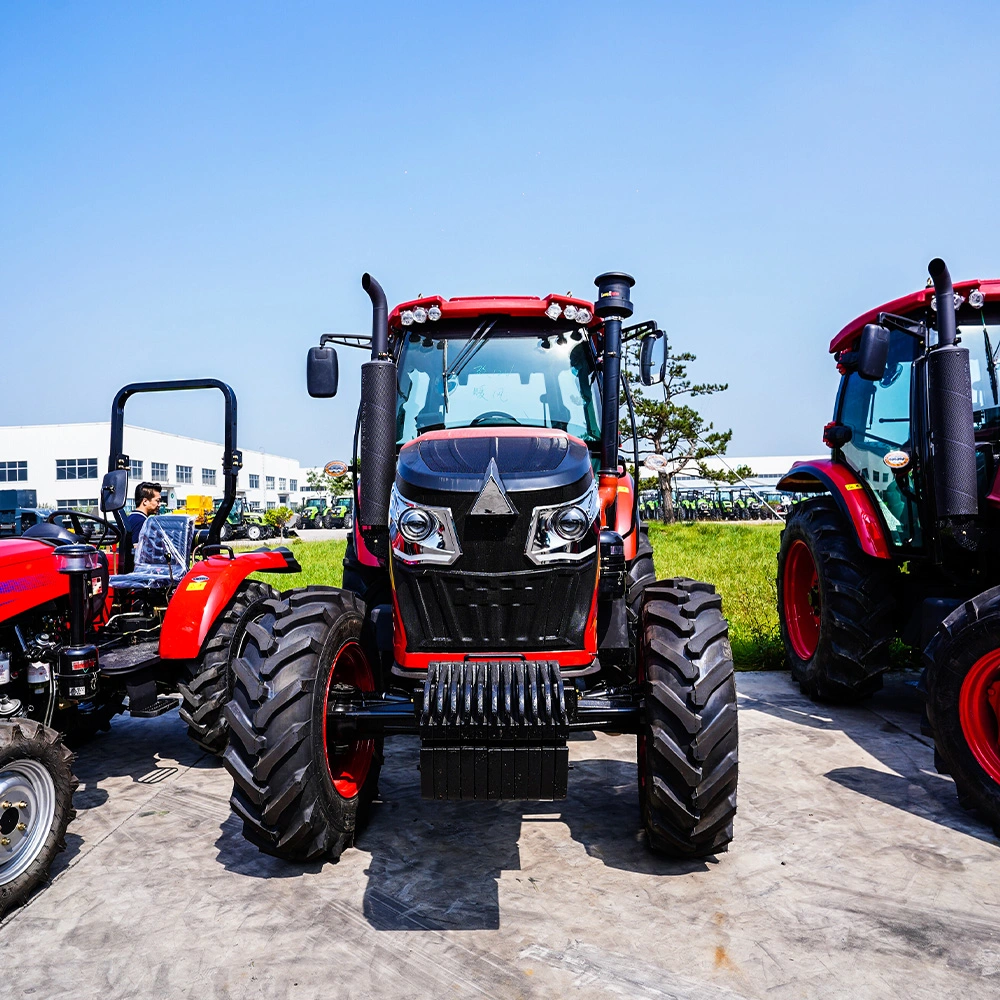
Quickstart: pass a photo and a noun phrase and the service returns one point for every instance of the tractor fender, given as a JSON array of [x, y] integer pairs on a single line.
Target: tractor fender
[[625, 520], [204, 592], [852, 496]]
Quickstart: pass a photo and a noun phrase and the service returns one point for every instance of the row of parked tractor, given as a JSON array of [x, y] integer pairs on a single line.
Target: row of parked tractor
[[499, 590], [715, 505]]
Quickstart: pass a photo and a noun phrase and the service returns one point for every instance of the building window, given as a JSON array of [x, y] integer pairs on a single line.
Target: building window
[[282, 483], [269, 482], [293, 485], [208, 477], [159, 471], [183, 473], [82, 504], [13, 472], [254, 482], [76, 468], [135, 469], [271, 505]]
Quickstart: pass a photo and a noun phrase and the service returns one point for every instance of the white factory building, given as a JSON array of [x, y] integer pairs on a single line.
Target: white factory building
[[65, 463]]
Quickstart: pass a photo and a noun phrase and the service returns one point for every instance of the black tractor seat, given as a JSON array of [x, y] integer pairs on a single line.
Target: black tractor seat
[[162, 554]]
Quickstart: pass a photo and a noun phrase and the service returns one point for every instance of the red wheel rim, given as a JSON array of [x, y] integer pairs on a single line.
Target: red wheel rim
[[348, 767], [802, 607], [979, 712]]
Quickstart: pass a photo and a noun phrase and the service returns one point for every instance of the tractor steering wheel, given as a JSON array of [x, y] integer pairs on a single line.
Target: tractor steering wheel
[[109, 532], [491, 415]]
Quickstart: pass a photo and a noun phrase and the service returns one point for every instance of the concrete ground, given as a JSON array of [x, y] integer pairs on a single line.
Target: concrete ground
[[854, 874]]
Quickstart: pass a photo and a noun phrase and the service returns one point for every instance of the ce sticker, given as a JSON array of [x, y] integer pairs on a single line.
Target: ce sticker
[[897, 460]]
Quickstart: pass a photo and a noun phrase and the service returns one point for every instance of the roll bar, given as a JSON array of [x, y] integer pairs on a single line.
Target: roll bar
[[232, 458]]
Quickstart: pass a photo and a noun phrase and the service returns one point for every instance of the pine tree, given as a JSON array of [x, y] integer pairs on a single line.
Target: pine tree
[[671, 428]]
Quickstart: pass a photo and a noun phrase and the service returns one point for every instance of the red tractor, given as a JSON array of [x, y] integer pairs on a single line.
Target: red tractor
[[86, 620], [902, 539], [499, 591]]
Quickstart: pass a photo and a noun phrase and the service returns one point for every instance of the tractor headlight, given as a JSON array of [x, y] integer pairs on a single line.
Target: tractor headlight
[[420, 534], [567, 532]]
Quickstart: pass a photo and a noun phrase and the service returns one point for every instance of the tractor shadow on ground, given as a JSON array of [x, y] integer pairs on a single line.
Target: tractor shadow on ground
[[886, 726], [236, 854], [149, 751], [437, 865]]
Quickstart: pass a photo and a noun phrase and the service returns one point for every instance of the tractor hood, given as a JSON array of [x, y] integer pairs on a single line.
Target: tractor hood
[[28, 576], [527, 459], [15, 552]]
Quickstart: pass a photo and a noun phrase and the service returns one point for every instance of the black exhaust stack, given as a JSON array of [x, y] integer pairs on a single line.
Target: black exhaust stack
[[613, 305], [949, 404], [378, 428]]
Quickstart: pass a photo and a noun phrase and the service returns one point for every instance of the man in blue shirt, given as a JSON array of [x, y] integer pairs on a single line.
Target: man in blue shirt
[[147, 501]]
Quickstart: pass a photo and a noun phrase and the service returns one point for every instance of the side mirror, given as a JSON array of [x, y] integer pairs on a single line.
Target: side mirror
[[652, 359], [322, 372], [114, 490], [873, 352]]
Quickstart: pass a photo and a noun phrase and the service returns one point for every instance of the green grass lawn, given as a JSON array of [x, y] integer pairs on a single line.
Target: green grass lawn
[[739, 559]]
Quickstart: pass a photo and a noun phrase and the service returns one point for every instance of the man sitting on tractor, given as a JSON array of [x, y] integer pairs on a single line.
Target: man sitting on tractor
[[147, 501]]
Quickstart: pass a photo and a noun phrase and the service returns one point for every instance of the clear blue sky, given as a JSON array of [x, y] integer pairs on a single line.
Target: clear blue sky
[[196, 189]]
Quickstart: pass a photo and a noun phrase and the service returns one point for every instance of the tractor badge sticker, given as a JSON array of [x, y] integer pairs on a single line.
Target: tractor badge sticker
[[336, 468], [897, 460], [198, 583]]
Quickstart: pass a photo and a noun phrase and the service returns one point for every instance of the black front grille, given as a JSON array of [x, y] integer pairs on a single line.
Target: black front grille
[[458, 611]]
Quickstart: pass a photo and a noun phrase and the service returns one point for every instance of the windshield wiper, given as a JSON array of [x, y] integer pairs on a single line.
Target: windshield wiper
[[992, 365], [467, 353]]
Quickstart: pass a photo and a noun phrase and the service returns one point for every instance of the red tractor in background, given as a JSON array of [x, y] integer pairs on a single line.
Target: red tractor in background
[[86, 620], [904, 540], [499, 590]]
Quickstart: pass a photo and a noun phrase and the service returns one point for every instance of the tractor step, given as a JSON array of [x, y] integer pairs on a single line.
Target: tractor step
[[159, 707]]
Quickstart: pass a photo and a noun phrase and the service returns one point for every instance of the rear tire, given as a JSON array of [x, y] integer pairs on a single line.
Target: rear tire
[[688, 754], [836, 604], [35, 769], [963, 667], [209, 684], [300, 799]]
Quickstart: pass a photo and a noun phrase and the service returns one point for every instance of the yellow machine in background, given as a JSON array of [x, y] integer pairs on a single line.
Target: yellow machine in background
[[201, 508]]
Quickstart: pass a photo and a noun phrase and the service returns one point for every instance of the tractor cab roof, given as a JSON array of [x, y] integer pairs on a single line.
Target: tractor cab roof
[[847, 338], [435, 307]]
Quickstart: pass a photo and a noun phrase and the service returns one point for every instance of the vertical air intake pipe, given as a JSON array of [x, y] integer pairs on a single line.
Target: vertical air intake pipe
[[949, 405], [613, 305], [378, 427]]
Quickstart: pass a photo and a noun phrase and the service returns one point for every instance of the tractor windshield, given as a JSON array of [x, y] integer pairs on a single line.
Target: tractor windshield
[[493, 373], [982, 338]]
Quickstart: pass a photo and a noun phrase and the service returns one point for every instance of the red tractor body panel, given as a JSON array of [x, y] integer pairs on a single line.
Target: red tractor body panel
[[847, 338], [203, 594], [821, 475], [28, 576]]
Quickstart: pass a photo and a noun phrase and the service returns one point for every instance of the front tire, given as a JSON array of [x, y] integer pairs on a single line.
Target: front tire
[[255, 532], [688, 754], [209, 684], [37, 783], [299, 797], [963, 702], [836, 604]]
